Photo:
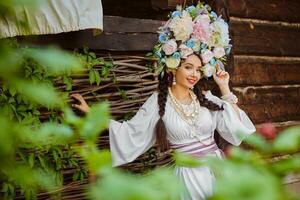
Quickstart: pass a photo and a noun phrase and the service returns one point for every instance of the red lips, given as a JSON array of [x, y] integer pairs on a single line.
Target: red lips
[[191, 80]]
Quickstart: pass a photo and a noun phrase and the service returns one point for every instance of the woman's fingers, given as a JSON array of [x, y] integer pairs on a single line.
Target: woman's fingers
[[76, 106], [221, 73], [78, 97]]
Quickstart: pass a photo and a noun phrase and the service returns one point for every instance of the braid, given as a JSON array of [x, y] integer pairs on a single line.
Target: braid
[[161, 132], [204, 101]]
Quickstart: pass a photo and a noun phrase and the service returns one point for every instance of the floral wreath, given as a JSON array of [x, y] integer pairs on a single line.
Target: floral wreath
[[195, 29]]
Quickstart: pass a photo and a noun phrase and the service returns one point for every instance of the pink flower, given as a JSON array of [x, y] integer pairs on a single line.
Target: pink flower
[[267, 130], [201, 28], [185, 51], [219, 52], [200, 32], [169, 47], [207, 56], [204, 20]]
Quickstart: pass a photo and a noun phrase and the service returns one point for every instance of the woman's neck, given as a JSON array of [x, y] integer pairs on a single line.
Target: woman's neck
[[181, 93]]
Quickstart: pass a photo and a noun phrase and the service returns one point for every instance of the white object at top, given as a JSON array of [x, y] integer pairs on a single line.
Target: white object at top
[[52, 17]]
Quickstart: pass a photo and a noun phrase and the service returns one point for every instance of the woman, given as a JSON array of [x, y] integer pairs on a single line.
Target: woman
[[180, 115]]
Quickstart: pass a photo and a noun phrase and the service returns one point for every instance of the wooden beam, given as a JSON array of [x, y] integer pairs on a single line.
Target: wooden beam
[[264, 38], [279, 10], [265, 70], [270, 103]]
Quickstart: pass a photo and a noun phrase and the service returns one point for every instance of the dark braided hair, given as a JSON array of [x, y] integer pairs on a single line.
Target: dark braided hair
[[165, 81]]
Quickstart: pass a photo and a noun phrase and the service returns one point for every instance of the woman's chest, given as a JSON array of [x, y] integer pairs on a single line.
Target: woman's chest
[[180, 129]]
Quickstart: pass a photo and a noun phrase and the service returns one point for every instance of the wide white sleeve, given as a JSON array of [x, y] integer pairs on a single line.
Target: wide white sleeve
[[132, 138], [227, 122]]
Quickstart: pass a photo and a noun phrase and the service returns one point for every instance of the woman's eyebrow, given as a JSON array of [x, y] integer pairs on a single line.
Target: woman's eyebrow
[[192, 64]]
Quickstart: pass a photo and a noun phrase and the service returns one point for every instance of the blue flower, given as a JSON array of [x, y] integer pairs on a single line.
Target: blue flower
[[176, 55], [162, 37], [176, 14], [190, 43], [158, 54], [213, 62], [190, 9], [204, 46], [214, 15], [228, 50]]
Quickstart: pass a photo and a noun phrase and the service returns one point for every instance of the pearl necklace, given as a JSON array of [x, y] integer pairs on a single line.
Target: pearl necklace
[[189, 118]]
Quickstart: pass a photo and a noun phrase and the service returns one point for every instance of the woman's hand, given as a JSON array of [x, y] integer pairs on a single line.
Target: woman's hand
[[83, 105], [221, 77]]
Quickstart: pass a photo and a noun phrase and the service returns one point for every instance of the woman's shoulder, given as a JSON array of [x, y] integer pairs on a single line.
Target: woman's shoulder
[[152, 99]]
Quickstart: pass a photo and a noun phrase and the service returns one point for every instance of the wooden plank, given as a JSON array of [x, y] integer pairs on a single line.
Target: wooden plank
[[261, 113], [115, 24], [280, 126], [265, 38], [133, 9], [120, 34], [270, 103], [278, 10], [264, 70], [268, 94]]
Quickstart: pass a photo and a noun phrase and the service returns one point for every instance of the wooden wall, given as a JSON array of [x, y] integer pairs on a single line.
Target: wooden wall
[[266, 35]]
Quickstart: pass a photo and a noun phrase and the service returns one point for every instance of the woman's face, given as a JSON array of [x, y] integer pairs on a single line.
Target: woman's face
[[189, 73]]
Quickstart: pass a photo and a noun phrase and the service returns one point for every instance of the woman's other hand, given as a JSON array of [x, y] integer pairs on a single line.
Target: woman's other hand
[[221, 77], [82, 106]]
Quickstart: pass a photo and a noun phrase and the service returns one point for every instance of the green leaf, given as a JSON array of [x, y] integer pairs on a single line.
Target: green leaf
[[186, 160], [105, 71], [31, 159], [288, 140], [92, 77], [97, 77], [109, 64], [95, 121], [55, 60], [68, 82], [40, 93], [95, 159], [287, 165], [70, 117], [258, 142], [50, 133]]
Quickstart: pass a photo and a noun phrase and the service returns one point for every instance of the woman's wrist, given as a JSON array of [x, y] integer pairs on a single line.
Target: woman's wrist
[[224, 89]]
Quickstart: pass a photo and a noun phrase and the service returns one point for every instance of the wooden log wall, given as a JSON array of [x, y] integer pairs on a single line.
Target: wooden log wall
[[266, 36]]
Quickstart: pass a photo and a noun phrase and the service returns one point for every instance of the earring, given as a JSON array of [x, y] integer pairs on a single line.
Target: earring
[[174, 80]]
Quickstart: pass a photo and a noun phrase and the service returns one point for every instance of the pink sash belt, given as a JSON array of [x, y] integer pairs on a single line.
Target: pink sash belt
[[196, 148]]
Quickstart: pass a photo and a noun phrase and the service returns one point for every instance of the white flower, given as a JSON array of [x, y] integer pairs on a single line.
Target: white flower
[[169, 47], [197, 45], [206, 56], [208, 70], [172, 63], [185, 51], [182, 27], [219, 52], [220, 33]]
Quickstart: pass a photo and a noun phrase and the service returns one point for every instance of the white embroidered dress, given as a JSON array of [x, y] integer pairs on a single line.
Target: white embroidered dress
[[131, 138]]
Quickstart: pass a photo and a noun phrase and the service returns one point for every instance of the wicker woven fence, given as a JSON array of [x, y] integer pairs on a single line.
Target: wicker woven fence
[[129, 83]]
